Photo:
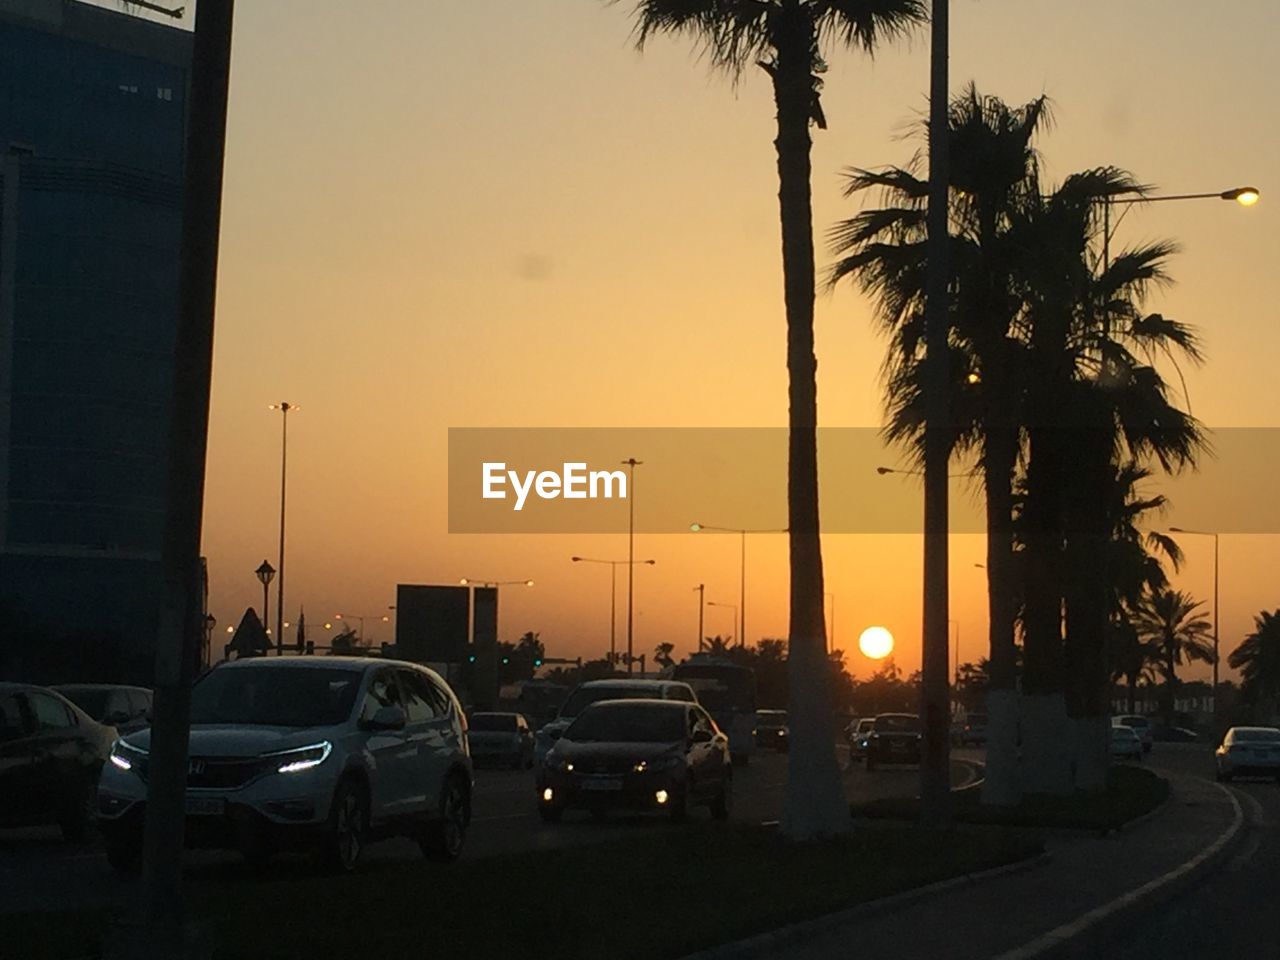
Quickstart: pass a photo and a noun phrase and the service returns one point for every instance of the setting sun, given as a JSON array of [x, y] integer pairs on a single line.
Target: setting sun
[[876, 643]]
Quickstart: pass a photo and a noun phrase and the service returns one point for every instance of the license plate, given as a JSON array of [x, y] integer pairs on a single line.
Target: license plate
[[206, 806], [601, 784], [897, 748]]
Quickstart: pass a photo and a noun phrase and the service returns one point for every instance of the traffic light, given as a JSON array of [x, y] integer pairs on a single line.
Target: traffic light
[[505, 661], [471, 659], [537, 662]]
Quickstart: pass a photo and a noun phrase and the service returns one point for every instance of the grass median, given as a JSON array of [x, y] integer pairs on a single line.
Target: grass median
[[1131, 792], [659, 894]]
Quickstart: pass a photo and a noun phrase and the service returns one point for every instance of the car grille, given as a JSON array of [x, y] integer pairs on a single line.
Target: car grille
[[222, 773]]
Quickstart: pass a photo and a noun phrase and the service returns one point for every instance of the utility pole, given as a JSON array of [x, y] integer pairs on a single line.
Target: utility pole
[[701, 590], [631, 463], [935, 773], [284, 409], [160, 929]]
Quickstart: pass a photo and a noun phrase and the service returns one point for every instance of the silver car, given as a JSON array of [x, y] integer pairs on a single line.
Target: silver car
[[1249, 752], [591, 691], [328, 752]]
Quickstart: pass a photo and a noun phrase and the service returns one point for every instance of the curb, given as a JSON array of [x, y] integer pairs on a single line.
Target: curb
[[766, 944], [1063, 940]]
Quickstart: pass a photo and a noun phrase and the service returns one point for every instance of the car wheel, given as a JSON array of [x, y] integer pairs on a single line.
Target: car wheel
[[445, 836], [348, 824], [124, 853], [550, 812], [678, 804], [78, 820], [722, 805]]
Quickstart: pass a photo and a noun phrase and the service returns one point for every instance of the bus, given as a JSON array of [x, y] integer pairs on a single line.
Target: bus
[[727, 691]]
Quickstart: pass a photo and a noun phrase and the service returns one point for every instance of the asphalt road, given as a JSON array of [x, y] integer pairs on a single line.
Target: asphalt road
[[38, 871], [1232, 914]]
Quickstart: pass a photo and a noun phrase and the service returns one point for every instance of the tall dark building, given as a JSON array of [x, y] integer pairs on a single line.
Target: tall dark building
[[92, 122]]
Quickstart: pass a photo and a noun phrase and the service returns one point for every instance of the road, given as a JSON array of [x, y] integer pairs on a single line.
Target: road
[[1232, 914], [40, 872]]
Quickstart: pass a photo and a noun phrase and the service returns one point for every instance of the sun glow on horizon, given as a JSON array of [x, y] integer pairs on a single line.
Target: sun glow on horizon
[[876, 643]]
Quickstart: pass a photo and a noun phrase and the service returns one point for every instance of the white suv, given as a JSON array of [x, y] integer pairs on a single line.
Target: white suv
[[325, 752], [585, 694]]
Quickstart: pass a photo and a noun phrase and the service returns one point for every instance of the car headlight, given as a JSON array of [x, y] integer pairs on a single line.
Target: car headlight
[[125, 756], [303, 758]]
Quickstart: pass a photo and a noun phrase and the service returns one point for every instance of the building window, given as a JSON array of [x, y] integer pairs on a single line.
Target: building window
[[164, 93], [128, 88]]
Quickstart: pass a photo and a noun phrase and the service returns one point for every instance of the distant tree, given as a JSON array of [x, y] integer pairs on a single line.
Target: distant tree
[[1174, 624], [662, 654], [718, 646], [1133, 659], [346, 644], [1258, 660]]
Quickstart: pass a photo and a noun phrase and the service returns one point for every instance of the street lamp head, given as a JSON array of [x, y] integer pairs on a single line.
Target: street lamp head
[[528, 583], [651, 562], [885, 470], [1245, 196], [464, 581], [265, 572], [695, 527]]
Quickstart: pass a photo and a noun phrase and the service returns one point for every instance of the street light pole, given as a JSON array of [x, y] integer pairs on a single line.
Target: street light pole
[[264, 574], [631, 463], [742, 574], [613, 597], [701, 590], [284, 409]]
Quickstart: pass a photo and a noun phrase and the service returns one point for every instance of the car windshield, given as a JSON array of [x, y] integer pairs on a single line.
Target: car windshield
[[1135, 721], [92, 700], [1260, 735], [771, 717], [583, 697], [897, 724], [866, 725], [641, 723], [494, 722], [276, 696], [1123, 733]]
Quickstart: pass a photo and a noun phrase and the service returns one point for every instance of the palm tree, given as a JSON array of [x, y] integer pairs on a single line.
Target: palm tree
[[1095, 396], [1132, 659], [1174, 624], [993, 167], [1258, 660], [662, 654], [786, 38]]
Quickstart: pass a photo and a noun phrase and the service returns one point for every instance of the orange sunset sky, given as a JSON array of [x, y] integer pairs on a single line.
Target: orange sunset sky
[[455, 213]]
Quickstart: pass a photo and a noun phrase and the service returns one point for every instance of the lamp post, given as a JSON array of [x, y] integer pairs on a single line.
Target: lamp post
[[284, 409], [631, 463], [1206, 533], [955, 657], [613, 597], [1244, 196], [701, 591], [731, 606], [264, 573], [742, 573]]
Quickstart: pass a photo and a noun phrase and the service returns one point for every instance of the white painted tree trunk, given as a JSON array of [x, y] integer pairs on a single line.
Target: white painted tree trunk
[[814, 804], [1091, 742], [1001, 785], [1046, 745]]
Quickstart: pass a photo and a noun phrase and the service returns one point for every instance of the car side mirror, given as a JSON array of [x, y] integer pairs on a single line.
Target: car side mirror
[[701, 736], [390, 717]]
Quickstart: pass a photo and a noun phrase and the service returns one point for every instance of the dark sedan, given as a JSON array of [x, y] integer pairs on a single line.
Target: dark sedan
[[128, 709], [894, 738], [771, 729], [639, 755], [51, 753]]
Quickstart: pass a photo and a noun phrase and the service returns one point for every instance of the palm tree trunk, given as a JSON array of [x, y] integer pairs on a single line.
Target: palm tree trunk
[[1085, 660], [1000, 786], [1046, 761], [814, 804]]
